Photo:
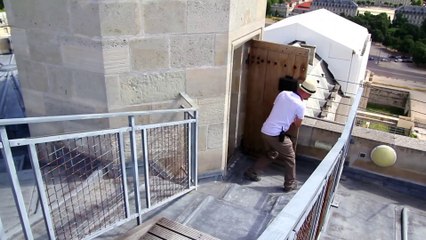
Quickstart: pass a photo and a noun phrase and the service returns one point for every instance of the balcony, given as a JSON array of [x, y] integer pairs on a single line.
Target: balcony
[[115, 183]]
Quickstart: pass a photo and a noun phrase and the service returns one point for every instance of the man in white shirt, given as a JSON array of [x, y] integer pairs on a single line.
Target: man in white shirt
[[289, 108]]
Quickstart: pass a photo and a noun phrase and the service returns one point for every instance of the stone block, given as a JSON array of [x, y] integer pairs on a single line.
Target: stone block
[[85, 18], [120, 18], [211, 110], [33, 75], [19, 42], [34, 102], [44, 47], [206, 16], [147, 88], [149, 54], [22, 13], [90, 86], [210, 161], [202, 138], [52, 15], [83, 54], [192, 50], [198, 78], [60, 81], [116, 56], [215, 136], [165, 16], [112, 86], [221, 53], [243, 12]]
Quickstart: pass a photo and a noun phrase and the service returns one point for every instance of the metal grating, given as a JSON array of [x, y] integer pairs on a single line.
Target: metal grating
[[83, 182], [168, 161], [306, 231]]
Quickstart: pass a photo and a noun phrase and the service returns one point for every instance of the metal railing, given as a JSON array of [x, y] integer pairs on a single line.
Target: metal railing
[[92, 181], [306, 214]]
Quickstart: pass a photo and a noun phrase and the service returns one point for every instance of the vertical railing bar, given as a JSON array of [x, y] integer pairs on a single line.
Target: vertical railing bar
[[195, 148], [16, 188], [146, 167], [190, 154], [135, 168], [123, 172], [42, 192]]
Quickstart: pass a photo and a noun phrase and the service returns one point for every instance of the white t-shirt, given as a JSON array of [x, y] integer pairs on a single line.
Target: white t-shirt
[[287, 106]]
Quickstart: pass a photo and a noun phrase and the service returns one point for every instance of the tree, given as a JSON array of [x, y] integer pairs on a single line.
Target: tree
[[419, 53]]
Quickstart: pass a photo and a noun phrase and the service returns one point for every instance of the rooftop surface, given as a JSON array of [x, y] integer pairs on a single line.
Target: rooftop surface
[[234, 208]]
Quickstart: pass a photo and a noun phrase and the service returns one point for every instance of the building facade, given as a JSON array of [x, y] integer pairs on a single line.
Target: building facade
[[415, 15], [77, 57], [339, 7]]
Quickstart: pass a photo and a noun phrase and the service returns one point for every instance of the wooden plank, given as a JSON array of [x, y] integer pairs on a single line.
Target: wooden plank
[[149, 236], [166, 233], [184, 230], [254, 108]]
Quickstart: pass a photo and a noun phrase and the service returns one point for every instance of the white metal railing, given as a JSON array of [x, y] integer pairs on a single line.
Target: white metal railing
[[83, 178], [307, 212]]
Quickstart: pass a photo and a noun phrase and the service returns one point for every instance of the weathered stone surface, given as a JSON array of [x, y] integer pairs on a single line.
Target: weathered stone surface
[[245, 12], [136, 89], [89, 86], [192, 50], [60, 81], [206, 16], [165, 16], [202, 138], [206, 82], [149, 54], [112, 86], [211, 110], [33, 75], [120, 18], [44, 47], [22, 13], [85, 18], [116, 56], [215, 136], [34, 102], [52, 15], [82, 54], [221, 49], [19, 43], [210, 161]]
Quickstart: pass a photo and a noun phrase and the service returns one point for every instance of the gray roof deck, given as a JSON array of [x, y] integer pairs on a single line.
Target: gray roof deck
[[235, 208]]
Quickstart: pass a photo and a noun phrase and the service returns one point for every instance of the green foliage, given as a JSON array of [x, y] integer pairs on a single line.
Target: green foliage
[[417, 2], [1, 5], [399, 34], [383, 109]]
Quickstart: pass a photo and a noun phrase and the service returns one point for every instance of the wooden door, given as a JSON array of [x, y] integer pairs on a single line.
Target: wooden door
[[267, 64]]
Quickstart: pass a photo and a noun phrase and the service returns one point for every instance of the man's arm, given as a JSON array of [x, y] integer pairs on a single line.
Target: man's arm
[[297, 122]]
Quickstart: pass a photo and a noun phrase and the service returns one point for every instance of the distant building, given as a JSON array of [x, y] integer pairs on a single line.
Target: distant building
[[414, 14], [301, 8], [280, 9], [284, 9], [346, 7], [389, 2]]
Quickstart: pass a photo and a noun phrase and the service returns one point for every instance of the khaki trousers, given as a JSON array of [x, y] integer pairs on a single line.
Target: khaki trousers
[[285, 154]]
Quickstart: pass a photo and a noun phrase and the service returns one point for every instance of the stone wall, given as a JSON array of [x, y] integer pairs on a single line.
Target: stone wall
[[83, 56], [317, 137]]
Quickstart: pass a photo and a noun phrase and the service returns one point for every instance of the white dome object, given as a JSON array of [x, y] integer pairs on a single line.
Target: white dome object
[[383, 156]]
